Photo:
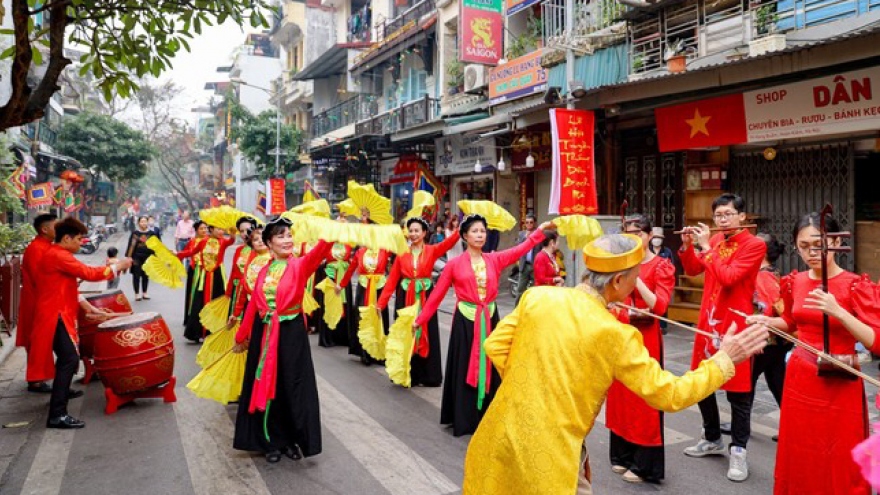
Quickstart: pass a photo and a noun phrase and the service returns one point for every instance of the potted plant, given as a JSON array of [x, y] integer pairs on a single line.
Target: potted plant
[[765, 20], [454, 75], [767, 39], [676, 56]]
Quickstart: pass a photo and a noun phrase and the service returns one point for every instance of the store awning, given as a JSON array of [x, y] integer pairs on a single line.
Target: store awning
[[332, 62], [484, 123]]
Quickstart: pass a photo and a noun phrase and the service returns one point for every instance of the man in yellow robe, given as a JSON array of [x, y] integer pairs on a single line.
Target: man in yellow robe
[[558, 353]]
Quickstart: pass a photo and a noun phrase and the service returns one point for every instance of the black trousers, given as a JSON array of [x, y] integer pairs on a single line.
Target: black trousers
[[139, 279], [66, 364], [647, 462], [772, 364], [740, 423]]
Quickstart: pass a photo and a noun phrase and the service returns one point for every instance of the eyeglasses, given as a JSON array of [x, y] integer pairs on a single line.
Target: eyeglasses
[[727, 215]]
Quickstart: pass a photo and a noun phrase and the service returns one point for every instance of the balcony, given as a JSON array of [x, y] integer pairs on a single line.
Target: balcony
[[346, 113], [411, 114], [394, 35], [412, 15], [779, 16], [596, 23], [359, 26]]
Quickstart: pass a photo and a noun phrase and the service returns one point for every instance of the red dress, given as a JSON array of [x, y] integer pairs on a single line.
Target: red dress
[[823, 418], [626, 414], [31, 259], [544, 269], [731, 267], [57, 296]]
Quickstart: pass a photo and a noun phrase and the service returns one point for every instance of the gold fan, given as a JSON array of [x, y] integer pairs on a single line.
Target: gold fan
[[215, 315], [332, 303], [399, 346], [163, 266], [421, 200], [316, 208], [371, 332], [578, 230], [497, 217], [348, 208], [312, 229], [221, 380], [366, 197], [223, 217]]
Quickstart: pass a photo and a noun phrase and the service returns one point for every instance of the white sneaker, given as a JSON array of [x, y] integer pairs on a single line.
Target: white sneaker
[[739, 466], [704, 448], [865, 357]]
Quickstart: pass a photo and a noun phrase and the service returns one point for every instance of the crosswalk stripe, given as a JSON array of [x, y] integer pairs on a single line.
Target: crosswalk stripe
[[50, 463], [390, 461], [431, 395], [214, 466]]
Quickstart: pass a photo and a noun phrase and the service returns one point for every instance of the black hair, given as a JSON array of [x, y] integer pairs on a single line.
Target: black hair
[[774, 247], [274, 228], [639, 221], [470, 220], [549, 235], [531, 216], [250, 233], [112, 252], [810, 220], [198, 224], [69, 226], [247, 218], [44, 218], [725, 199], [419, 220], [142, 218]]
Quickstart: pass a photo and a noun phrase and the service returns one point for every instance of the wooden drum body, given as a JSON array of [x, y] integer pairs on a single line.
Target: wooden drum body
[[87, 328]]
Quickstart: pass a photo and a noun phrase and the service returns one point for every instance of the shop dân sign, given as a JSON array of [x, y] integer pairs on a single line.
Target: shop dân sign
[[481, 25], [573, 187], [521, 76]]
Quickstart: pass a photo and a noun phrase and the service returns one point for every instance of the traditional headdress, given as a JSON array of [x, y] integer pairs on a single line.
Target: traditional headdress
[[269, 231], [419, 220], [601, 261], [469, 220]]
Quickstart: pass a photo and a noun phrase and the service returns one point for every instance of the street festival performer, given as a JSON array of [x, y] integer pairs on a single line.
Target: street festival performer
[[529, 441]]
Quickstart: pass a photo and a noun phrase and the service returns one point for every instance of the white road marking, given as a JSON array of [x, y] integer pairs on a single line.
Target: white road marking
[[50, 463]]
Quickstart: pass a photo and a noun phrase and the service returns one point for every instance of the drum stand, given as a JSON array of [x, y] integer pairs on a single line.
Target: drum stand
[[89, 370], [166, 392]]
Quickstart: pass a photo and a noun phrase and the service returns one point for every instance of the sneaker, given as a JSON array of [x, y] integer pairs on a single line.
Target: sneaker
[[619, 469], [865, 357], [631, 477], [704, 448], [739, 467]]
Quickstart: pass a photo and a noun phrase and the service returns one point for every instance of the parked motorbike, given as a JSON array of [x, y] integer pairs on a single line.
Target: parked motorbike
[[86, 246], [111, 228]]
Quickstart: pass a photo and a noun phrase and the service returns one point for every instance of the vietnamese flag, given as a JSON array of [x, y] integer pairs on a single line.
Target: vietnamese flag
[[712, 122]]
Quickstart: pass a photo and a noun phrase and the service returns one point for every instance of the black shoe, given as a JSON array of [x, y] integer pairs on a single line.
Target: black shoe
[[775, 438], [273, 457], [293, 452], [725, 428], [40, 388], [74, 394], [66, 422]]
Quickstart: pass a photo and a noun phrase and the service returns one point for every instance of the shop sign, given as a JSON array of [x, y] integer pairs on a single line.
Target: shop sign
[[521, 76], [573, 186], [457, 155], [535, 140], [481, 31], [514, 6]]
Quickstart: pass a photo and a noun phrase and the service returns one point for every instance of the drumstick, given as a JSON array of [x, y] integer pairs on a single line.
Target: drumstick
[[106, 316], [718, 229], [667, 320], [813, 350]]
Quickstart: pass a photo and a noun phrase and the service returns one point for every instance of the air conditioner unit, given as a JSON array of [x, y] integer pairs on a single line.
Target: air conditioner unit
[[476, 77]]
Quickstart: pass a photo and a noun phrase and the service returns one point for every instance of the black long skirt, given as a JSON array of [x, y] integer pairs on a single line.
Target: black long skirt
[[294, 416], [190, 274], [459, 406], [354, 342], [425, 371], [194, 329], [645, 461], [339, 335], [317, 315]]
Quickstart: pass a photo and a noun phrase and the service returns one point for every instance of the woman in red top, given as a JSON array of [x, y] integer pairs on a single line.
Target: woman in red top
[[823, 417], [371, 265], [337, 263], [544, 267], [209, 282], [636, 447], [471, 380], [413, 271]]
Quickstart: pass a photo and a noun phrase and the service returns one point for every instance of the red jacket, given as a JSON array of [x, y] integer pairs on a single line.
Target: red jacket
[[731, 267], [31, 259], [403, 268], [235, 272], [57, 297], [545, 269]]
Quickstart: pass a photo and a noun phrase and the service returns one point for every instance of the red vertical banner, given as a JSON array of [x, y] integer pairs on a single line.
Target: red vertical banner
[[277, 205], [574, 174]]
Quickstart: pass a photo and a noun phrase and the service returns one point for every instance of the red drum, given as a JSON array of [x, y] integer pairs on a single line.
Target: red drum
[[87, 328], [134, 356]]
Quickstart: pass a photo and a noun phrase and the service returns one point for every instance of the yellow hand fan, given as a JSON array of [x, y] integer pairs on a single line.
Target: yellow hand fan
[[215, 315], [371, 332], [399, 346], [332, 303], [317, 208], [309, 304], [166, 258], [222, 379], [497, 217], [348, 208], [366, 197], [160, 273], [216, 345], [421, 200], [312, 229], [579, 230], [223, 217]]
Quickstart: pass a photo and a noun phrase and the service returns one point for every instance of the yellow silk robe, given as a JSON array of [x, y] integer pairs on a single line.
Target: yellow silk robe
[[558, 353]]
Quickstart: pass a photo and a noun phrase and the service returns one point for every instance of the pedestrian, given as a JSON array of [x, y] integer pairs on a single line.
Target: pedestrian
[[452, 229], [471, 382], [279, 369], [209, 284], [546, 268], [410, 278], [58, 303], [438, 235], [184, 232], [112, 259], [636, 443], [731, 260], [151, 223], [36, 375], [526, 267], [139, 252], [530, 440], [823, 415]]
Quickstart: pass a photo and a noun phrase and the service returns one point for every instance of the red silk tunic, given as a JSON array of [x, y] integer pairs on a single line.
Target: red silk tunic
[[57, 296], [31, 260], [823, 418], [545, 269], [235, 274], [371, 272], [731, 267], [627, 414]]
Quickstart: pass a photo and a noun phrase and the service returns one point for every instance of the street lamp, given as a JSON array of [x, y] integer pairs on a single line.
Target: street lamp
[[277, 150]]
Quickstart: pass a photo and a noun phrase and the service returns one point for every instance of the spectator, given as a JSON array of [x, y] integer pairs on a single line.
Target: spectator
[[438, 235], [526, 270], [452, 228], [139, 252], [657, 246], [112, 259], [184, 231]]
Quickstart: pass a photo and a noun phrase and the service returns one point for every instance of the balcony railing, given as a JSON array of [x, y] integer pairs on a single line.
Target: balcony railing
[[413, 113], [358, 27], [346, 113], [589, 16], [774, 16], [414, 13]]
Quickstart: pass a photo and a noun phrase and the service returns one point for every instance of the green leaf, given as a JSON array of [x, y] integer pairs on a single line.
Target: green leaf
[[37, 55], [7, 53], [7, 31]]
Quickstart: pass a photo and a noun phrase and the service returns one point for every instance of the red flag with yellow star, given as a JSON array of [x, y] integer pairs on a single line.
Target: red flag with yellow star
[[713, 122]]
